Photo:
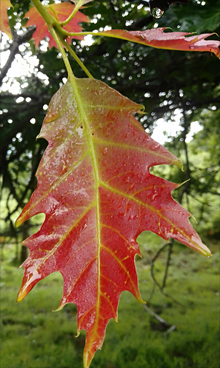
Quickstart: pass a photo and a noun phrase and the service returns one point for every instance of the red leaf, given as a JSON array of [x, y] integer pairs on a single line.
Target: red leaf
[[4, 26], [167, 40], [97, 193], [60, 12]]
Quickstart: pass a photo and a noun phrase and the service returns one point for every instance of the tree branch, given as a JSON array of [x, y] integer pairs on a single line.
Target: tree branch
[[170, 244], [18, 40], [186, 186], [155, 280]]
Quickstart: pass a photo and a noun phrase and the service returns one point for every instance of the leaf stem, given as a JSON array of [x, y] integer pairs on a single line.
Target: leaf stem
[[76, 8], [65, 43], [59, 34], [66, 33], [60, 46], [104, 34]]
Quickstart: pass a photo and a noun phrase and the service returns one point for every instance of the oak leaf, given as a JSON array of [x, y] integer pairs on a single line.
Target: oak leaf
[[60, 12], [98, 195], [4, 26], [182, 41]]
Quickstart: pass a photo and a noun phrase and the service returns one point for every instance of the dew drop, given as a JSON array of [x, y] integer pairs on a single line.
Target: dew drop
[[157, 13]]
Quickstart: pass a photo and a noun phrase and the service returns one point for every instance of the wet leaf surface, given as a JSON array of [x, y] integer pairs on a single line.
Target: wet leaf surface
[[96, 191]]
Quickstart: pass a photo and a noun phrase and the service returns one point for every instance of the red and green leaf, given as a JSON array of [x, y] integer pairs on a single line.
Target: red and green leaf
[[4, 26], [96, 191], [60, 12], [167, 40]]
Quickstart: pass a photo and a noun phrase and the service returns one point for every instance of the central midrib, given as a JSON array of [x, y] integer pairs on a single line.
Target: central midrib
[[88, 136]]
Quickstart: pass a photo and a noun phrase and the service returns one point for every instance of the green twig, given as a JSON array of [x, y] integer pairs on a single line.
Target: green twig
[[59, 35], [65, 43], [76, 8], [104, 34], [60, 47]]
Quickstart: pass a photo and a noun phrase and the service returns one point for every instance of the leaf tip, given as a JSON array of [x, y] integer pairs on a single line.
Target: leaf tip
[[78, 333], [140, 300], [179, 164], [59, 308], [201, 248], [205, 251], [141, 110], [21, 295], [87, 358], [18, 222], [180, 185]]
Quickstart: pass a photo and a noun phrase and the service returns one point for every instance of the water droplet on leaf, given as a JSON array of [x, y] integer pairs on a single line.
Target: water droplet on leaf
[[157, 13]]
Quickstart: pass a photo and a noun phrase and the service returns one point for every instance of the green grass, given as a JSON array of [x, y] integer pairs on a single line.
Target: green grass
[[32, 336]]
